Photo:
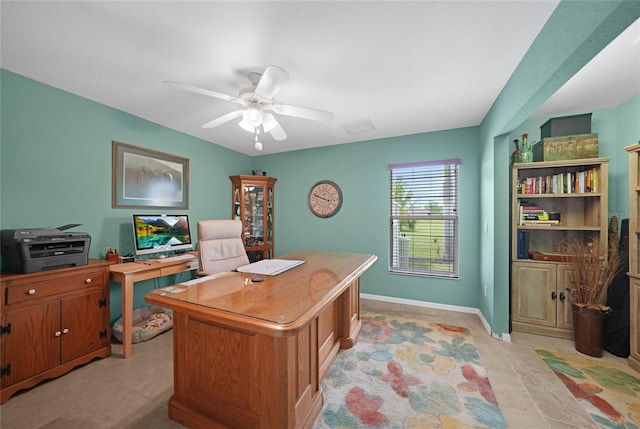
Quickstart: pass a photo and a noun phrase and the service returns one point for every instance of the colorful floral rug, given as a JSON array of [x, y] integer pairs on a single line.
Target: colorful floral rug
[[609, 393], [407, 374]]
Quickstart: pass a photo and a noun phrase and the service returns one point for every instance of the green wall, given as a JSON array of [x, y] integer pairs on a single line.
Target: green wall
[[56, 168], [362, 225], [55, 154], [56, 149], [575, 33]]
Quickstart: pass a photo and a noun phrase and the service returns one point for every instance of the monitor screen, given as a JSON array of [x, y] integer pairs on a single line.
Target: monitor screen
[[161, 233]]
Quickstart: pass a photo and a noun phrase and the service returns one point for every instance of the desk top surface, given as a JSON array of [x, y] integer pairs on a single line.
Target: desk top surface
[[278, 300], [150, 264]]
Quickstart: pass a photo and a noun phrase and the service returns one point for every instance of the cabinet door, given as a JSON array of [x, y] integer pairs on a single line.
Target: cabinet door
[[253, 212], [533, 286], [33, 345], [83, 325], [563, 305], [635, 319]]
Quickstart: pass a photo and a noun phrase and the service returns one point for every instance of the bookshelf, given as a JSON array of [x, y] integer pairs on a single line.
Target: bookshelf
[[634, 254], [551, 201]]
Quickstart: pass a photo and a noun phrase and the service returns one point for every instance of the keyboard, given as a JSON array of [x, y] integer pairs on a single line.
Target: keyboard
[[174, 258]]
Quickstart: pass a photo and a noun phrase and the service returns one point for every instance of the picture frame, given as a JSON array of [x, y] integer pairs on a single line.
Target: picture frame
[[145, 178]]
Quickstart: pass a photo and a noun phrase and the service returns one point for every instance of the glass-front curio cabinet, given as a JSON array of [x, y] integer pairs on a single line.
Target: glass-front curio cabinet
[[252, 203]]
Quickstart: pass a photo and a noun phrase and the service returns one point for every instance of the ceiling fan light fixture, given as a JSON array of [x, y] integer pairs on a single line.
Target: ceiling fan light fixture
[[252, 117], [245, 126]]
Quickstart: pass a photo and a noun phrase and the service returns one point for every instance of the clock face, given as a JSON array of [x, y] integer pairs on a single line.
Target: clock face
[[325, 198]]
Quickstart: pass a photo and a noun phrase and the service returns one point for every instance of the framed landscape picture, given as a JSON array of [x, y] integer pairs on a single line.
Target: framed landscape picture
[[148, 178]]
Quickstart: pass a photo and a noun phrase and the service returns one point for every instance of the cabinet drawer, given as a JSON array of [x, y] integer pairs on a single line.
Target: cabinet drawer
[[37, 290], [184, 266]]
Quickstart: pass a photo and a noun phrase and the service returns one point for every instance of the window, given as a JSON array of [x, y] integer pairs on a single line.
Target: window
[[424, 218]]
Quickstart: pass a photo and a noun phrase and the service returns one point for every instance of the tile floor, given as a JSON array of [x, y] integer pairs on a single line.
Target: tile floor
[[133, 393]]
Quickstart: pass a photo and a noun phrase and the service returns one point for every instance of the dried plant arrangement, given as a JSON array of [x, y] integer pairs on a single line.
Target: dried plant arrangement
[[593, 267]]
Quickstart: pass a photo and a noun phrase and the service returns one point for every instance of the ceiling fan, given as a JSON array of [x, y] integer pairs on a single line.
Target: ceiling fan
[[257, 103]]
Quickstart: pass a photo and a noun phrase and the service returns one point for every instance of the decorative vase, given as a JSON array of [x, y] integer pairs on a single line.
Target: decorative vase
[[515, 156], [526, 154], [587, 330], [526, 149]]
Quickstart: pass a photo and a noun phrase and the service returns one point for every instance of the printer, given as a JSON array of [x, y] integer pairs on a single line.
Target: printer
[[38, 249]]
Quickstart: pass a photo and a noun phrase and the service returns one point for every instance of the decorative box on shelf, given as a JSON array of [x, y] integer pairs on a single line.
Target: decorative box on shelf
[[566, 126], [566, 147]]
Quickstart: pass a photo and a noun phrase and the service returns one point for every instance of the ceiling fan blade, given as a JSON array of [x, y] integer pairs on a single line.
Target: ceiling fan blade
[[303, 112], [222, 119], [271, 125], [202, 91], [271, 81]]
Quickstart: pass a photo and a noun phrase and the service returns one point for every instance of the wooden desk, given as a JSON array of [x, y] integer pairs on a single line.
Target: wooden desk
[[131, 272], [252, 354]]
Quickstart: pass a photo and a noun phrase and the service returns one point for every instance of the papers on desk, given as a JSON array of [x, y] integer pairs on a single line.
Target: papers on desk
[[270, 267]]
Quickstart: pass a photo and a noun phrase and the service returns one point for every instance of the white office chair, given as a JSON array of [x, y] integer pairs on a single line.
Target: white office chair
[[220, 246]]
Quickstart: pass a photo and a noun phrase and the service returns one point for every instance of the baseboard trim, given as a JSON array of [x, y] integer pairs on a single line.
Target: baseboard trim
[[438, 306]]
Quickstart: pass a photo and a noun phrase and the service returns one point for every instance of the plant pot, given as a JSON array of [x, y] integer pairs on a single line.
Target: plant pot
[[587, 329]]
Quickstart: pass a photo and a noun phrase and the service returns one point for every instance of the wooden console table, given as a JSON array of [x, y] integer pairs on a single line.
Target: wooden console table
[[131, 272], [253, 354]]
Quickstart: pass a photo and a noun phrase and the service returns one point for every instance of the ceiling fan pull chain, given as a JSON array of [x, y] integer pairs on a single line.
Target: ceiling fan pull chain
[[257, 145]]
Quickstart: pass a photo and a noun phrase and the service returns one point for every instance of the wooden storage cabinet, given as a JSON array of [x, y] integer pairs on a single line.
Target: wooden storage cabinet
[[252, 202], [634, 355], [634, 254], [52, 322], [540, 299], [542, 304]]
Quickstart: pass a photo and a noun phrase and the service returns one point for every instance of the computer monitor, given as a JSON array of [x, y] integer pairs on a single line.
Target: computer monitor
[[161, 234]]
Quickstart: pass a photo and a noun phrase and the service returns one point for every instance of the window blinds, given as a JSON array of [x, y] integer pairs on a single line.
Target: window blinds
[[424, 218]]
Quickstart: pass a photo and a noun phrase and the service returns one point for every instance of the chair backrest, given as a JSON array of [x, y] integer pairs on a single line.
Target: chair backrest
[[220, 246]]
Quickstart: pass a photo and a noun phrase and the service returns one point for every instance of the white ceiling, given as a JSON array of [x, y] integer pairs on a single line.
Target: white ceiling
[[407, 66]]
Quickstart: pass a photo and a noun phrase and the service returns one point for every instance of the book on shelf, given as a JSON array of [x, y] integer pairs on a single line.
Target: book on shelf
[[571, 182], [542, 216], [523, 245], [539, 222], [531, 210], [529, 214]]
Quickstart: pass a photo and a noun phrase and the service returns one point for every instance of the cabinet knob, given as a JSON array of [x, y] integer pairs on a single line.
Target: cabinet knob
[[562, 296], [65, 331], [87, 281], [554, 295], [32, 292], [58, 333]]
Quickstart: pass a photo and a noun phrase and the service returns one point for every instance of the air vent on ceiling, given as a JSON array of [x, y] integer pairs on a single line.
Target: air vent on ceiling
[[358, 126]]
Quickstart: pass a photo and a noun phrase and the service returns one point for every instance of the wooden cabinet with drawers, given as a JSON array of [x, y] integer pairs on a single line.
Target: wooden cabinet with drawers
[[51, 322]]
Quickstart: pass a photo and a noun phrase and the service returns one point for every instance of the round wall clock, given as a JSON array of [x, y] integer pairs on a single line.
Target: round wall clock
[[325, 198]]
